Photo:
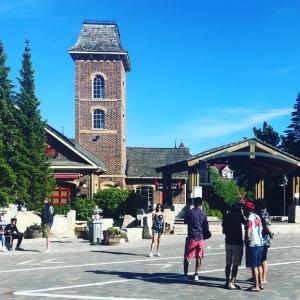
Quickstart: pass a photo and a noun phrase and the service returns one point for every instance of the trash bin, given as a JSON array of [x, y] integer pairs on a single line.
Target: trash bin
[[95, 227], [96, 232]]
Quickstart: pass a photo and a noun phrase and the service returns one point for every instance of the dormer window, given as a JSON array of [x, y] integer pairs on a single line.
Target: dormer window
[[98, 119], [98, 87]]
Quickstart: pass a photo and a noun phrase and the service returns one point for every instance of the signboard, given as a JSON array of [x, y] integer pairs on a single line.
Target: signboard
[[174, 186], [198, 191]]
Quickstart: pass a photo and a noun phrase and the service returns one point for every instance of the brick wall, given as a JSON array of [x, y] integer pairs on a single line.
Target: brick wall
[[107, 144]]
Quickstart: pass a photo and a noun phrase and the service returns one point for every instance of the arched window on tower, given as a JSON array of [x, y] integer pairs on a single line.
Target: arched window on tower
[[98, 87], [98, 119]]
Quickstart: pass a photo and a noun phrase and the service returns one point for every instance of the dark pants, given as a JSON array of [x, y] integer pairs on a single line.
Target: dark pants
[[15, 236]]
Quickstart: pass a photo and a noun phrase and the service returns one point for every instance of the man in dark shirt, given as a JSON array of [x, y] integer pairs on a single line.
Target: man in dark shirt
[[233, 243], [47, 216], [12, 230], [196, 219]]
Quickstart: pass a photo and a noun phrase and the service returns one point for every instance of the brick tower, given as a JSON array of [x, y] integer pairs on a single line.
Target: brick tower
[[100, 97]]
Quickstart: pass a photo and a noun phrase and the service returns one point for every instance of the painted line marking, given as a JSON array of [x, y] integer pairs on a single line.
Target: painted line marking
[[25, 262], [120, 262], [101, 264], [36, 293], [81, 297]]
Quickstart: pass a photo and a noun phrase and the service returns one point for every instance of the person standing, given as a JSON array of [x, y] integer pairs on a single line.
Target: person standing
[[232, 228], [47, 216], [254, 245], [12, 231], [196, 219], [267, 234], [158, 228], [2, 233]]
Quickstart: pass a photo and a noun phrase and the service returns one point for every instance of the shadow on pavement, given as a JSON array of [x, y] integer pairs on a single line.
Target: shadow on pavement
[[118, 253], [161, 278]]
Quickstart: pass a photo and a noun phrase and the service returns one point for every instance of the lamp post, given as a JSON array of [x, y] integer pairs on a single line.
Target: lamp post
[[284, 184]]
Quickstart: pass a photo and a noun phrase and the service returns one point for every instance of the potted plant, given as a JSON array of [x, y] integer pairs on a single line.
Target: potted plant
[[35, 231], [112, 236]]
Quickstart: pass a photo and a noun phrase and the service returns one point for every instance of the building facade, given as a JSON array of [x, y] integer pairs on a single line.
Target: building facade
[[101, 64]]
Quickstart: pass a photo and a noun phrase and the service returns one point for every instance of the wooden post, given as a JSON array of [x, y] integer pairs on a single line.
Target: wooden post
[[167, 191]]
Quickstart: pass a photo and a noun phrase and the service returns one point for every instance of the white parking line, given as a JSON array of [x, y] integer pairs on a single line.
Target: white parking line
[[101, 264], [37, 293], [81, 297]]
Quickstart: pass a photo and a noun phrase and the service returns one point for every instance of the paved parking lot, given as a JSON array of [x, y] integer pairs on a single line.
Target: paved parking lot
[[75, 270]]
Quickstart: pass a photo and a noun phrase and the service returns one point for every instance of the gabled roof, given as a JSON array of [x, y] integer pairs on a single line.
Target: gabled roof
[[100, 38], [141, 162], [87, 159], [266, 150]]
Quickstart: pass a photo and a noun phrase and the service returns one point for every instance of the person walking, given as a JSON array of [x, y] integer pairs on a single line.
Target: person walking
[[232, 228], [196, 219], [47, 216], [158, 228], [267, 233], [254, 245]]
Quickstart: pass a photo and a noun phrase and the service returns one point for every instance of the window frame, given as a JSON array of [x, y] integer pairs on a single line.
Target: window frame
[[103, 119], [97, 90]]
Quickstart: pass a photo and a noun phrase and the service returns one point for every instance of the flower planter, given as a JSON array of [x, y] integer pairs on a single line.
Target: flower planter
[[113, 241], [34, 234]]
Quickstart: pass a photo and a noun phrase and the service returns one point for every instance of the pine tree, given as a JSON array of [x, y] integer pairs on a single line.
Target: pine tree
[[267, 134], [41, 181], [7, 131], [291, 141]]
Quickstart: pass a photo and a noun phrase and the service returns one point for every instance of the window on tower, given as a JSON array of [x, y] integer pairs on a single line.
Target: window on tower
[[98, 87], [98, 119]]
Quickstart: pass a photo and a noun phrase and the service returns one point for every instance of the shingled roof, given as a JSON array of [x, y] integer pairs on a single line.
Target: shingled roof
[[100, 37], [141, 162]]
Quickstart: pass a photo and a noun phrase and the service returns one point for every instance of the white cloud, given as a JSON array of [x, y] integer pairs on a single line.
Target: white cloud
[[228, 122]]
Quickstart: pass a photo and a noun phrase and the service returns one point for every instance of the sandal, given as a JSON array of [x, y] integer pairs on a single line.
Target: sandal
[[253, 289], [261, 287]]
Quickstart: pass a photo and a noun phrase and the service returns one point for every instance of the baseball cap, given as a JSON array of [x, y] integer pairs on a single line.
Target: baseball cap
[[250, 205]]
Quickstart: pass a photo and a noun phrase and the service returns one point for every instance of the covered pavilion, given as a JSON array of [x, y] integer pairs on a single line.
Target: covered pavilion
[[273, 173]]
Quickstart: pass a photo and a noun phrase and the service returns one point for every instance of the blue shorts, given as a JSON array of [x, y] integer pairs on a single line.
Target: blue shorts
[[253, 256]]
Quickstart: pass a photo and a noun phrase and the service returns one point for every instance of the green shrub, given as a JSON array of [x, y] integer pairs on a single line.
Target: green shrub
[[205, 206], [215, 213], [84, 208], [112, 201], [62, 210]]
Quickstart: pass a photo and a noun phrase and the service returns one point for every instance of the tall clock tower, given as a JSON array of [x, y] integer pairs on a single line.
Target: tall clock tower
[[100, 97]]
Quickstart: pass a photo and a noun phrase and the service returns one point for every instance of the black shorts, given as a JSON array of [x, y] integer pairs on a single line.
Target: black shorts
[[264, 253]]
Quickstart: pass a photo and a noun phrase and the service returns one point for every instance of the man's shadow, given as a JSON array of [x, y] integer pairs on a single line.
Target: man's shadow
[[162, 278]]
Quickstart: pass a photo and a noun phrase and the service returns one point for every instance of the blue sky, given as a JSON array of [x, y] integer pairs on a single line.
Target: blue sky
[[203, 72]]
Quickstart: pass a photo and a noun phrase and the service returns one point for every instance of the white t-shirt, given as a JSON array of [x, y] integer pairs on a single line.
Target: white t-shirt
[[254, 224]]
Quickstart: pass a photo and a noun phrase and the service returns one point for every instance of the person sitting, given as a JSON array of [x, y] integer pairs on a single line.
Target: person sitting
[[12, 231], [2, 233]]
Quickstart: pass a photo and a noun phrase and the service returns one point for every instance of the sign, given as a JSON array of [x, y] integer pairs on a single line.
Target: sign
[[198, 191], [174, 186]]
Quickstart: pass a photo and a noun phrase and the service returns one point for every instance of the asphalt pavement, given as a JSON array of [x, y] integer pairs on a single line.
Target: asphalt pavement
[[76, 270]]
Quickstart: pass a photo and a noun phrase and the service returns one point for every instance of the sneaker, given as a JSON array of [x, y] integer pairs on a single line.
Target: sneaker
[[196, 277], [150, 254], [19, 249], [158, 254], [184, 278], [4, 249]]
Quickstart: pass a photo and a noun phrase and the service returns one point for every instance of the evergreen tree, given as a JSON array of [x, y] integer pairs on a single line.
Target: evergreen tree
[[7, 131], [41, 181], [291, 141], [267, 134]]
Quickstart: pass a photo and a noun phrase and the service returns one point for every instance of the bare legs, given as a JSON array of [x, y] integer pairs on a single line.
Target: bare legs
[[265, 267], [233, 271], [186, 266], [257, 276], [155, 238]]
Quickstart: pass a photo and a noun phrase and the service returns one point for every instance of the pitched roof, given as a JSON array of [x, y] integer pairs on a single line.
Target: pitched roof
[[100, 37], [141, 162], [88, 156]]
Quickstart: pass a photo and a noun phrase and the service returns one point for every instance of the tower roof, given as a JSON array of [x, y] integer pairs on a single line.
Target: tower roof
[[100, 38]]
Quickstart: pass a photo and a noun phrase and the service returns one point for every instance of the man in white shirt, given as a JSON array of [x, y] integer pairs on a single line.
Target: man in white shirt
[[254, 245]]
